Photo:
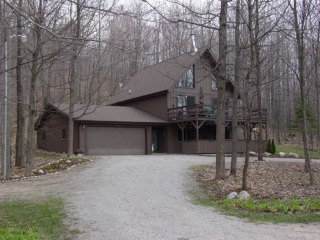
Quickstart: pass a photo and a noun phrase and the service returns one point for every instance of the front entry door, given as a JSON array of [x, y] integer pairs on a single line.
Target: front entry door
[[155, 139]]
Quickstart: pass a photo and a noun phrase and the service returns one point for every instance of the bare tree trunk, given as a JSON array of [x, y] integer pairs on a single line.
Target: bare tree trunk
[[258, 76], [317, 86], [34, 73], [2, 115], [220, 160], [72, 80], [233, 168], [19, 162], [301, 58], [247, 95], [248, 139]]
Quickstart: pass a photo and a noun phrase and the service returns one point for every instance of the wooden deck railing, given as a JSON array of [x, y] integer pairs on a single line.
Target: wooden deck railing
[[202, 111]]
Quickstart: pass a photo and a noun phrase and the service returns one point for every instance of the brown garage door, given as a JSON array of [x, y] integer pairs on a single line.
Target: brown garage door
[[115, 141]]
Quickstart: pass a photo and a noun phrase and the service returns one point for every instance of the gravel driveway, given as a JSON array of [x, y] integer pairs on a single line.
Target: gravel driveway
[[146, 197]]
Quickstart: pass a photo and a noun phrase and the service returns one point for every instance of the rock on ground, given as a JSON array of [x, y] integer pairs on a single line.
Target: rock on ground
[[243, 195], [294, 155], [282, 154], [267, 154], [251, 153], [232, 195]]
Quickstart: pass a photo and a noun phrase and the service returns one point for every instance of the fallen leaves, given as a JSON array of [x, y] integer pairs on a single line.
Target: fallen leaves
[[266, 180]]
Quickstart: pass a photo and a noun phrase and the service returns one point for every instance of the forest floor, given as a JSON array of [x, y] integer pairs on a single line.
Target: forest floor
[[265, 180]]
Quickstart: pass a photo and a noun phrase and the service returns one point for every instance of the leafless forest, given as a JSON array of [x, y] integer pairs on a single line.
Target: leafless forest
[[79, 51]]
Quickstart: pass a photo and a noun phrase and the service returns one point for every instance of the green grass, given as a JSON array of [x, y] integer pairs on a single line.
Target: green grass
[[19, 234], [287, 149], [29, 220], [297, 210], [43, 154]]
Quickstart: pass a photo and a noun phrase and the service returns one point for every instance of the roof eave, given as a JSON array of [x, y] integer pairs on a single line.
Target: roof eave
[[140, 98]]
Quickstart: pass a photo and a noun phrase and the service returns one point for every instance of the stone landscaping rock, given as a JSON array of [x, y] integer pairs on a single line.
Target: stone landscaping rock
[[282, 154], [267, 154], [68, 161], [80, 155], [15, 177], [243, 195], [253, 154], [294, 155], [40, 171], [232, 195]]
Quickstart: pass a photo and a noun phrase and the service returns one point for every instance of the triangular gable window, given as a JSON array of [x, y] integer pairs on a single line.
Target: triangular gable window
[[187, 81]]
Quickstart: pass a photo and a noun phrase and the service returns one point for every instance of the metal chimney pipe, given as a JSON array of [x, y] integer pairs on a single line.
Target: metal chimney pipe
[[194, 48]]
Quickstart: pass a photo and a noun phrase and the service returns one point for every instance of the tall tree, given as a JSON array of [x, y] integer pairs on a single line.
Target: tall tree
[[19, 161], [38, 20], [233, 168], [73, 78], [221, 85], [300, 14]]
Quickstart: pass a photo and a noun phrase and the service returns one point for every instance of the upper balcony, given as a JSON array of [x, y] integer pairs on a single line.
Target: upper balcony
[[209, 112]]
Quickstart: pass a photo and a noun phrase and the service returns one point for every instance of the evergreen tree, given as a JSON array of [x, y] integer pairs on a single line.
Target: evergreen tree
[[273, 147], [296, 123], [269, 147]]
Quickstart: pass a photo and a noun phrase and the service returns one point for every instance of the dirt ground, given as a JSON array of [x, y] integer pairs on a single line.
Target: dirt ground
[[266, 180]]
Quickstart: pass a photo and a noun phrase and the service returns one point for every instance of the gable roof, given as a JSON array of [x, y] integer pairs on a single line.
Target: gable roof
[[113, 114], [158, 77]]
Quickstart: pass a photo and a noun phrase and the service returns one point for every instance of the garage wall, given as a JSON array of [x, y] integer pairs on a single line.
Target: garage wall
[[52, 130]]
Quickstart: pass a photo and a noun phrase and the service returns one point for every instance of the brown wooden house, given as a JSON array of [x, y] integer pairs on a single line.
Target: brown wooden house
[[169, 107]]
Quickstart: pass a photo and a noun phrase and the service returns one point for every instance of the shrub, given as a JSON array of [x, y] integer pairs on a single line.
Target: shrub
[[273, 147], [269, 146]]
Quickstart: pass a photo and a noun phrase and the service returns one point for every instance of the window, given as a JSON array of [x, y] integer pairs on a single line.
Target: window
[[189, 133], [43, 136], [185, 101], [190, 100], [214, 102], [226, 106], [187, 81], [213, 82], [181, 101], [63, 134]]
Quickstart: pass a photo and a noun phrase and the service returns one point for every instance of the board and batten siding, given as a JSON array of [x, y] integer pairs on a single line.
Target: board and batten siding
[[156, 105], [52, 130], [53, 137], [209, 146], [203, 80]]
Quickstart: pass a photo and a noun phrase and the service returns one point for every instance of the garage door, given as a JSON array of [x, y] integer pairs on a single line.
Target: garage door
[[115, 141]]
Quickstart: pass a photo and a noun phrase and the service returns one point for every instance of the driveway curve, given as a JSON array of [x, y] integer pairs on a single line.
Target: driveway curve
[[146, 197]]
